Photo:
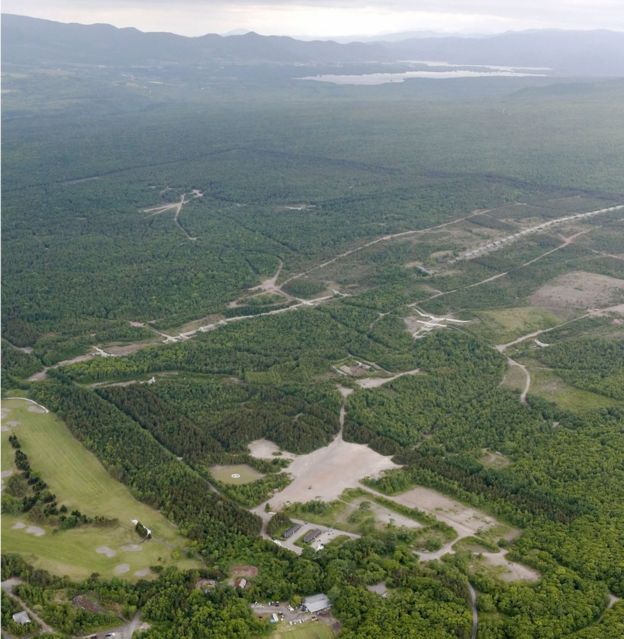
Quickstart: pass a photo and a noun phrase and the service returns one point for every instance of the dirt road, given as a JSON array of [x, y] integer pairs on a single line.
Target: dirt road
[[475, 614], [527, 376], [538, 228]]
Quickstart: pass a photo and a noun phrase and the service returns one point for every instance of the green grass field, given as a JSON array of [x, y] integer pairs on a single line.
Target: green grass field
[[514, 378], [505, 324], [546, 384], [80, 481], [246, 474], [313, 630]]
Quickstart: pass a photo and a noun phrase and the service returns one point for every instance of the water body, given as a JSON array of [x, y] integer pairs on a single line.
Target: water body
[[370, 79]]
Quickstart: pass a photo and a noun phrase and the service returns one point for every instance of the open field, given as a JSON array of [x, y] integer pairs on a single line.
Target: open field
[[497, 564], [235, 474], [505, 324], [80, 481], [547, 384], [466, 520], [579, 290], [265, 449], [312, 630], [514, 378], [326, 472], [357, 514]]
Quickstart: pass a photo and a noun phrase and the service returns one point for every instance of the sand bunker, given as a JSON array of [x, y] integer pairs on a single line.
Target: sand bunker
[[579, 290], [105, 550], [328, 471], [121, 569], [33, 408], [132, 548], [4, 475], [18, 525], [36, 531], [7, 427], [144, 572]]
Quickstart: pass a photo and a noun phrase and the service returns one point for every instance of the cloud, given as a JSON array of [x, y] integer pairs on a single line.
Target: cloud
[[331, 17]]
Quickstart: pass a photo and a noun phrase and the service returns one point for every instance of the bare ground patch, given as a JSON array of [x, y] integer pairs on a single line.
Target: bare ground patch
[[265, 449], [244, 570], [326, 472], [579, 290], [494, 459], [508, 570], [466, 520]]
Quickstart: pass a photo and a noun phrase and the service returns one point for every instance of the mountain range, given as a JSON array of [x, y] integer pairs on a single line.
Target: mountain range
[[32, 41]]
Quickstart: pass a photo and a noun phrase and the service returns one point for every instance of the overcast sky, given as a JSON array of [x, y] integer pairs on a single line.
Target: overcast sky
[[330, 18]]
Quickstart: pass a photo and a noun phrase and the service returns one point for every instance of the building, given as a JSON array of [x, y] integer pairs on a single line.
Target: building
[[291, 531], [317, 603], [21, 618], [241, 583], [311, 535]]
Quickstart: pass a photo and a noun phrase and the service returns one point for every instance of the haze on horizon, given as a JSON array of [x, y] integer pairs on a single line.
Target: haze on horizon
[[331, 19]]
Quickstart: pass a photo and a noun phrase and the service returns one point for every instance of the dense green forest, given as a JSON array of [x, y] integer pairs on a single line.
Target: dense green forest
[[269, 260]]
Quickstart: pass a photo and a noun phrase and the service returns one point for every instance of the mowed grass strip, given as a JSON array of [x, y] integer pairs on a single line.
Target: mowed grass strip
[[303, 631], [80, 481]]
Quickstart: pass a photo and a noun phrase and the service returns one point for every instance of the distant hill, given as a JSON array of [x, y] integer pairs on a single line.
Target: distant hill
[[31, 41]]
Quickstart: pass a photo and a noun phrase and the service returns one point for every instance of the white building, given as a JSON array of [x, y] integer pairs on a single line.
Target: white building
[[316, 603], [21, 618]]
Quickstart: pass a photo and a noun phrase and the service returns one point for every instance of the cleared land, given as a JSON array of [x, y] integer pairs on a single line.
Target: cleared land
[[505, 324], [80, 481], [579, 290], [325, 473], [467, 521], [312, 630], [265, 449], [547, 384], [497, 564], [235, 474]]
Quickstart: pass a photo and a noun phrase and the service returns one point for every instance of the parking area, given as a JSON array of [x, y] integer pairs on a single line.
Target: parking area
[[284, 612]]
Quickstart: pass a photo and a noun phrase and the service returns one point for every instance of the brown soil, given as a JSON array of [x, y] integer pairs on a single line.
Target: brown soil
[[579, 290]]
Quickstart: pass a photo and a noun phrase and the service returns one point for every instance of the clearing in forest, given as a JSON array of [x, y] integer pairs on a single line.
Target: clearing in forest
[[468, 522], [505, 324], [311, 630], [579, 290], [80, 482], [235, 474], [326, 472]]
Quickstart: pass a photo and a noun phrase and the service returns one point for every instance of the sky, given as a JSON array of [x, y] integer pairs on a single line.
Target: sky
[[330, 18]]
